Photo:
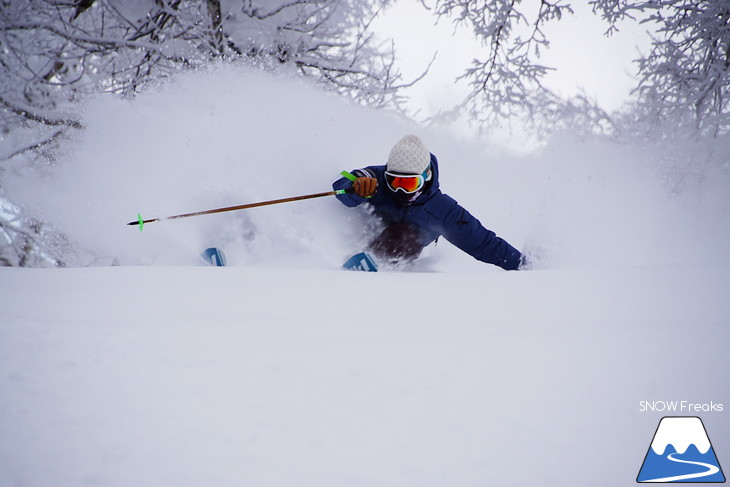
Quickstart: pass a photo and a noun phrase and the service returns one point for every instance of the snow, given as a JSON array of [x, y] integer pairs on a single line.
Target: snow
[[680, 433], [271, 376], [282, 369]]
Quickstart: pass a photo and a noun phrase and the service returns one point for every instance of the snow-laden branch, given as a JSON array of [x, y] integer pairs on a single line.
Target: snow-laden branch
[[46, 118], [80, 39], [34, 146]]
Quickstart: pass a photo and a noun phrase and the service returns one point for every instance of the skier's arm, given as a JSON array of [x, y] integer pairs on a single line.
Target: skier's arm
[[463, 230]]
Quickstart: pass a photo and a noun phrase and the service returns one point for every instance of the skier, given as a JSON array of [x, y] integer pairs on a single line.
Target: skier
[[405, 195]]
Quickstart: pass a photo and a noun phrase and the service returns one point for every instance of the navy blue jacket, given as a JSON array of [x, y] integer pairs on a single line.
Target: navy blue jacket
[[434, 214]]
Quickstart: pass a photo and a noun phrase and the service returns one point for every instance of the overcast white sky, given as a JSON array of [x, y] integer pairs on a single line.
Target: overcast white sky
[[582, 55]]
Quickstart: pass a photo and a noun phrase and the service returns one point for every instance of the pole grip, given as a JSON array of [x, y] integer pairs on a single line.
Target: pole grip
[[353, 178]]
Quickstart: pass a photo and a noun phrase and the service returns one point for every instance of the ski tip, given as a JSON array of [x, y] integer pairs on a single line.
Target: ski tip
[[214, 256], [362, 261]]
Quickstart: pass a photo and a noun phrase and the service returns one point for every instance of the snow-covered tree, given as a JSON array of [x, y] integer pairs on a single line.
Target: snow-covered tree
[[54, 51], [29, 242], [685, 77], [507, 78]]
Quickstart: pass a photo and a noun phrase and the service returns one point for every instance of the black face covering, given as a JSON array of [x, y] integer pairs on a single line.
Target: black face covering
[[407, 199]]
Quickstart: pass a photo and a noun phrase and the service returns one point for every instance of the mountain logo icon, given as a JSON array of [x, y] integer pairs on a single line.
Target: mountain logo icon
[[681, 452]]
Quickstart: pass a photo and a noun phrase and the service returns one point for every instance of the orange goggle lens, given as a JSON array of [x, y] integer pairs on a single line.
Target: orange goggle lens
[[405, 183]]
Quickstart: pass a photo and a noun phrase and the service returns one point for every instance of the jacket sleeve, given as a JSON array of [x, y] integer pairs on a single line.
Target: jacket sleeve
[[466, 232], [351, 199]]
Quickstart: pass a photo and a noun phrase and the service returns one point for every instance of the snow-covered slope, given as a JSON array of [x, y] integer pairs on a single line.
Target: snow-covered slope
[[283, 370], [194, 376]]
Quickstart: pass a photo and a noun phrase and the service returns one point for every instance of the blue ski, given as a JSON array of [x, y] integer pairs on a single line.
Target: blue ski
[[214, 256], [361, 262]]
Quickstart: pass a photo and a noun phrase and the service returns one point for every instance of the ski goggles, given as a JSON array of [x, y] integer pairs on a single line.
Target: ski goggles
[[408, 183]]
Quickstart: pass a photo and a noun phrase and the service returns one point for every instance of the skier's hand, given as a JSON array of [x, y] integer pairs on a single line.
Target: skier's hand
[[365, 187]]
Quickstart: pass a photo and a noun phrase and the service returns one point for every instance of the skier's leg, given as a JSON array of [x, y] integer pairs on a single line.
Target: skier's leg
[[398, 242]]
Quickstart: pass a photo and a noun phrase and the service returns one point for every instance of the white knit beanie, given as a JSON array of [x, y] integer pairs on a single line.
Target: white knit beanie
[[409, 156]]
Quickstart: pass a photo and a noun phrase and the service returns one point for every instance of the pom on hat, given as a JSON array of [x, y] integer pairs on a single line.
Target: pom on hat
[[409, 156]]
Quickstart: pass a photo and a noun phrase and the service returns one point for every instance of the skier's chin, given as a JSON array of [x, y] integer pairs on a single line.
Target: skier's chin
[[405, 199]]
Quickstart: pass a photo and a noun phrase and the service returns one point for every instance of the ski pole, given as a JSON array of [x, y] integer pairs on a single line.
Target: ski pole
[[141, 222]]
